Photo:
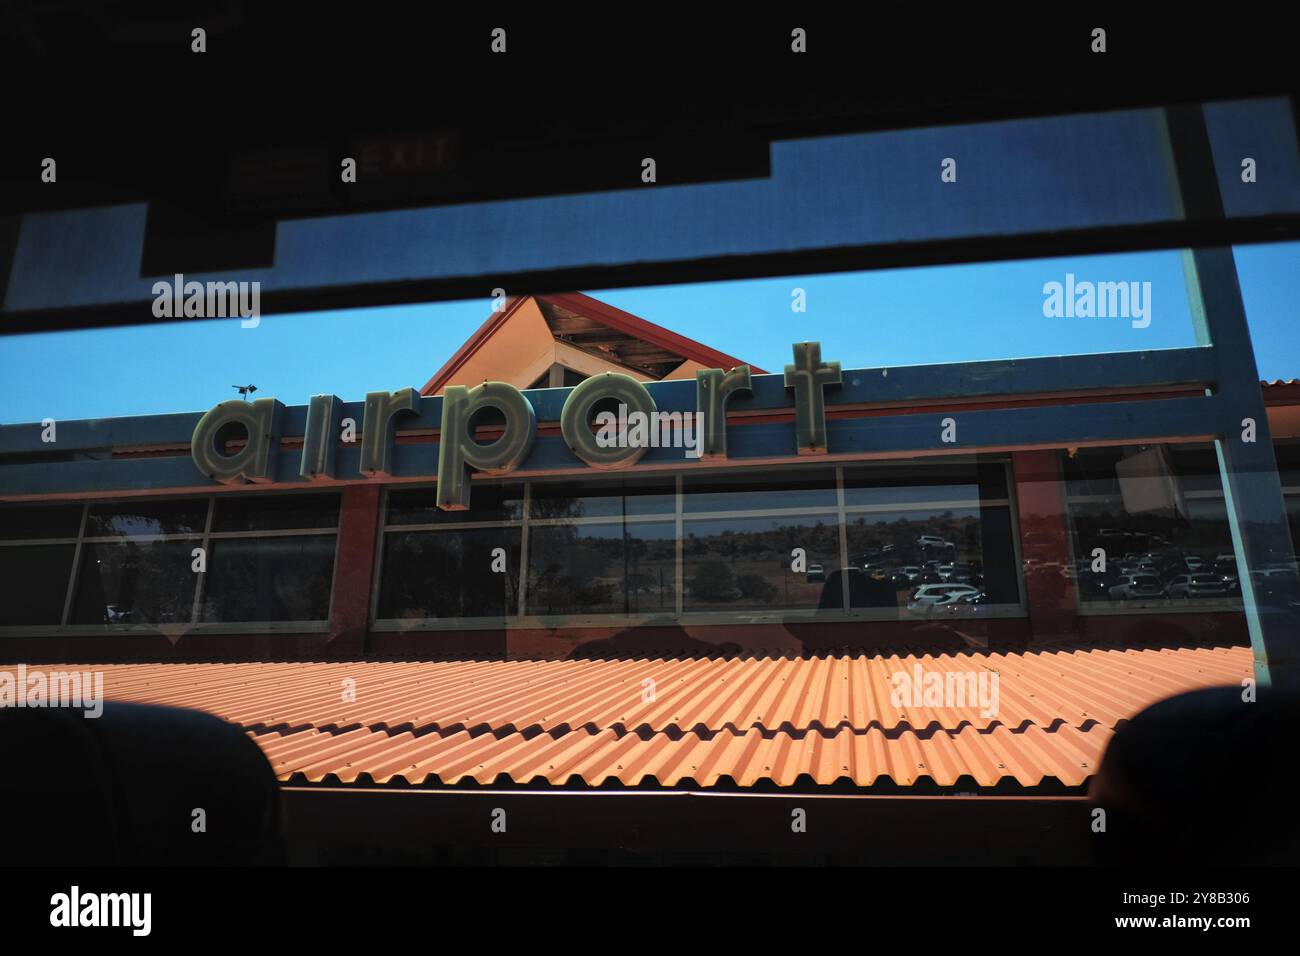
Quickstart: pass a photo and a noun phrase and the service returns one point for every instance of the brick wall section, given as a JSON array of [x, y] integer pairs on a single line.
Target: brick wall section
[[359, 520], [1045, 545]]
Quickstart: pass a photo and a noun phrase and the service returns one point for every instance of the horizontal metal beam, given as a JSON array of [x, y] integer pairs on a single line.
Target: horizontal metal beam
[[871, 191]]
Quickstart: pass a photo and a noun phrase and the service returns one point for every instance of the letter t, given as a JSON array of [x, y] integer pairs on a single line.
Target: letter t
[[808, 376]]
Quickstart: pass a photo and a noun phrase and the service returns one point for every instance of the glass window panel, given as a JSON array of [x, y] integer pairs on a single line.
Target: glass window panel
[[909, 549], [746, 563], [1288, 462], [604, 499], [269, 579], [490, 502], [754, 492], [147, 518], [1160, 541], [19, 522], [135, 582], [877, 485], [602, 569], [33, 582], [449, 574], [256, 512]]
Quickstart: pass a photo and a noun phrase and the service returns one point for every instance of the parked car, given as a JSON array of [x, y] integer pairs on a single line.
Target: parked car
[[815, 572], [1197, 585], [1138, 587], [1193, 562]]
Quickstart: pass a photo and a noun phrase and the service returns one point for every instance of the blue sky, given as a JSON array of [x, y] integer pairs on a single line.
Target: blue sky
[[890, 317]]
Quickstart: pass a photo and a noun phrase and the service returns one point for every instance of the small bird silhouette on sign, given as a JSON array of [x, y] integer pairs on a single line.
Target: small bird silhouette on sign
[[245, 390]]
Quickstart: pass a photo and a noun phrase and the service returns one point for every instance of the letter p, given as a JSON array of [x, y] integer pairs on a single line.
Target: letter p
[[458, 449]]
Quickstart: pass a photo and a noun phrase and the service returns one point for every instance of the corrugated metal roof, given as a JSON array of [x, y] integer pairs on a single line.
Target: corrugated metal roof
[[701, 722], [595, 758]]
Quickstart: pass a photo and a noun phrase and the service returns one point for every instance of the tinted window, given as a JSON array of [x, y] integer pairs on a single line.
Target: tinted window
[[255, 512], [767, 492], [135, 582], [269, 579], [603, 499], [147, 518], [19, 522], [450, 574], [602, 569], [750, 563], [490, 502], [33, 582]]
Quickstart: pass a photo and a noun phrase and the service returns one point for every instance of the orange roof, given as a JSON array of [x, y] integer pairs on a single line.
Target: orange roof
[[711, 720], [601, 313]]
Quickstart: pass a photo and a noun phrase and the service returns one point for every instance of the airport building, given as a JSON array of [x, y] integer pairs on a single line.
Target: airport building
[[742, 592]]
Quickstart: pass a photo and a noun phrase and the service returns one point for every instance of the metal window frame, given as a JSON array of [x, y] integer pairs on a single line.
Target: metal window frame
[[204, 538], [680, 517]]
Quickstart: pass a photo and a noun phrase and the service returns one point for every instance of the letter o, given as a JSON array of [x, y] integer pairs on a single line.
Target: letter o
[[507, 452], [575, 418]]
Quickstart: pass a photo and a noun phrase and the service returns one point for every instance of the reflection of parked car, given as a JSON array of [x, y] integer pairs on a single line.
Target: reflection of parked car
[[927, 595], [1197, 585], [961, 605], [1138, 587], [816, 572], [116, 614], [932, 541]]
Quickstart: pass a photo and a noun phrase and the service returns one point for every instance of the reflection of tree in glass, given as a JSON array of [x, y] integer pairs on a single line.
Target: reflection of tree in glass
[[713, 581], [449, 574], [756, 588]]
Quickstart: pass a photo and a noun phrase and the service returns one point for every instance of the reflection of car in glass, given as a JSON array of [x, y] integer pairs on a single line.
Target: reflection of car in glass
[[1193, 562], [1137, 587], [961, 605], [116, 614], [815, 572], [927, 595], [1197, 585]]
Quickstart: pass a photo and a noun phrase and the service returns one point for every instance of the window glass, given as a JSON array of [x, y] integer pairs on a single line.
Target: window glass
[[269, 579], [1155, 517], [618, 498], [147, 518], [255, 512], [33, 582], [20, 522], [755, 492], [602, 568], [450, 574], [135, 582], [889, 484], [749, 563], [490, 502]]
